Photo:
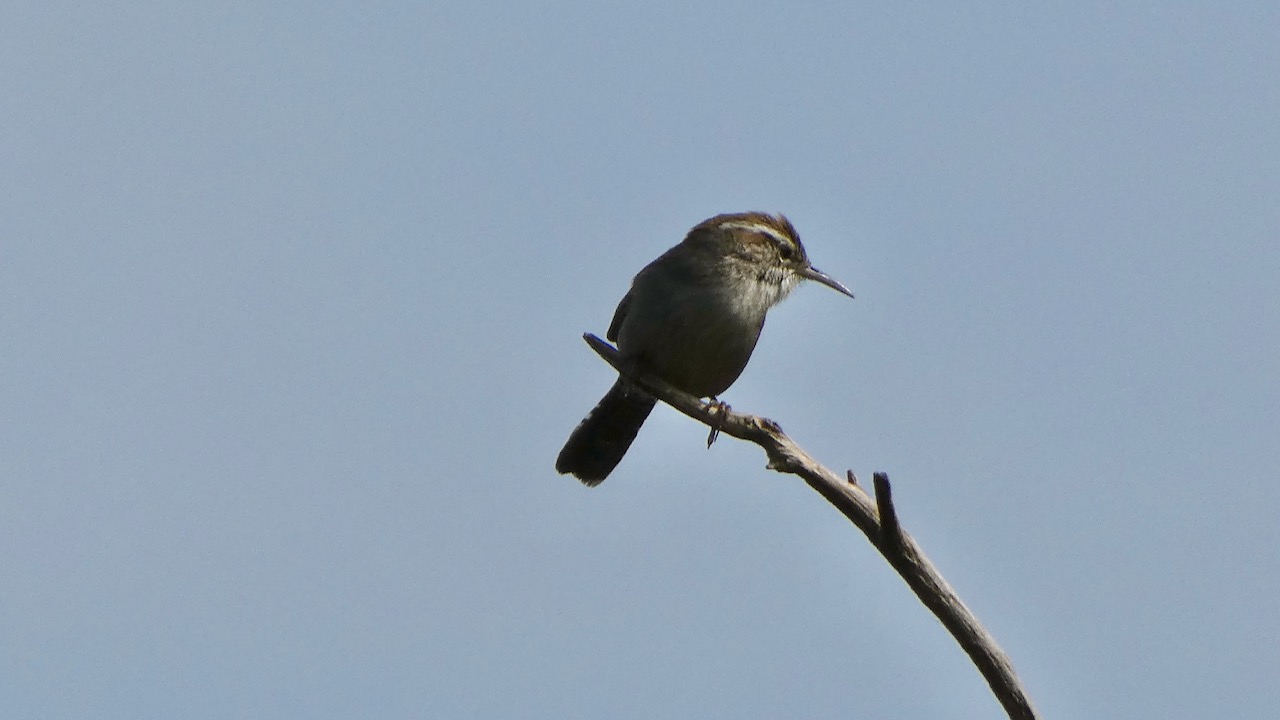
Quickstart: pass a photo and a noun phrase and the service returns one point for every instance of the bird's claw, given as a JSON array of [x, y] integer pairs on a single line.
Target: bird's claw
[[720, 411]]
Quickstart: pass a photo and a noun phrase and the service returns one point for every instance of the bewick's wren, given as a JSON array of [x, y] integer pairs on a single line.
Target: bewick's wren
[[692, 318]]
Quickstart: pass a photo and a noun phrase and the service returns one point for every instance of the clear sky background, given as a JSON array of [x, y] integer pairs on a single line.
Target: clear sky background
[[292, 294]]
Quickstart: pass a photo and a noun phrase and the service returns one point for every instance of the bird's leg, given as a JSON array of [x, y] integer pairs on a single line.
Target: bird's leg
[[721, 411]]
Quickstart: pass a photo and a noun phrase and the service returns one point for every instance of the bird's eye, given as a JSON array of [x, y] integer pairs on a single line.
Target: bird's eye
[[786, 251]]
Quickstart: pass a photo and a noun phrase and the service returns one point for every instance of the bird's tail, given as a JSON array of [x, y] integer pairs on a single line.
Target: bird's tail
[[597, 445]]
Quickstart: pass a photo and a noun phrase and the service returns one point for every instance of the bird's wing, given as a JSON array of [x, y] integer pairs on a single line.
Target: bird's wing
[[618, 315]]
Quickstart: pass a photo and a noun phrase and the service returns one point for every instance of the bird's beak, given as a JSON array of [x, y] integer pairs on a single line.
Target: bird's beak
[[813, 273]]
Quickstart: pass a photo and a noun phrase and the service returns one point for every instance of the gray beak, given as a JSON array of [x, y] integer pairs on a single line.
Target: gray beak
[[813, 273]]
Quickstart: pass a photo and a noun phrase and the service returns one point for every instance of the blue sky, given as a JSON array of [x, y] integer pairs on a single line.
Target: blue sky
[[292, 299]]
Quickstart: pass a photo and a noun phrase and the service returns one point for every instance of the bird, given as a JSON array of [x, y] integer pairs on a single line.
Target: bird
[[692, 318]]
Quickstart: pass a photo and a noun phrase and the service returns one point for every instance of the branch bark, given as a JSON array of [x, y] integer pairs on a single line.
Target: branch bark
[[876, 519]]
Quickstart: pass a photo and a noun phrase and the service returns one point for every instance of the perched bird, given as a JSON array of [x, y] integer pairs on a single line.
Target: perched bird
[[692, 318]]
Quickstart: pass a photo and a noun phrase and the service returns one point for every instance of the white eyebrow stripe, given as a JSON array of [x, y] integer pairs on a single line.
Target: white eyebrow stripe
[[759, 228]]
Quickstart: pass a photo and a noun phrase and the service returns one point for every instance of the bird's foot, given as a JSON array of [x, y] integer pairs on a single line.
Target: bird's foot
[[721, 411]]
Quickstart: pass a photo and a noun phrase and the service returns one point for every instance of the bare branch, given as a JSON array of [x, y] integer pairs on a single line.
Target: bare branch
[[877, 520]]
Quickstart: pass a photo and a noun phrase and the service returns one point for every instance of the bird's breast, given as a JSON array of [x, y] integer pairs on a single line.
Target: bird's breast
[[696, 337]]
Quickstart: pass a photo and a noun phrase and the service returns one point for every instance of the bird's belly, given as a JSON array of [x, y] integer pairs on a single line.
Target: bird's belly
[[700, 347]]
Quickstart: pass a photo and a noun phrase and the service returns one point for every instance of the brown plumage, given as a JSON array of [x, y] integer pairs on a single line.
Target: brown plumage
[[692, 317]]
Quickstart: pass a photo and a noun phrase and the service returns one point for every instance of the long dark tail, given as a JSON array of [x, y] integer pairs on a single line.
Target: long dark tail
[[598, 443]]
